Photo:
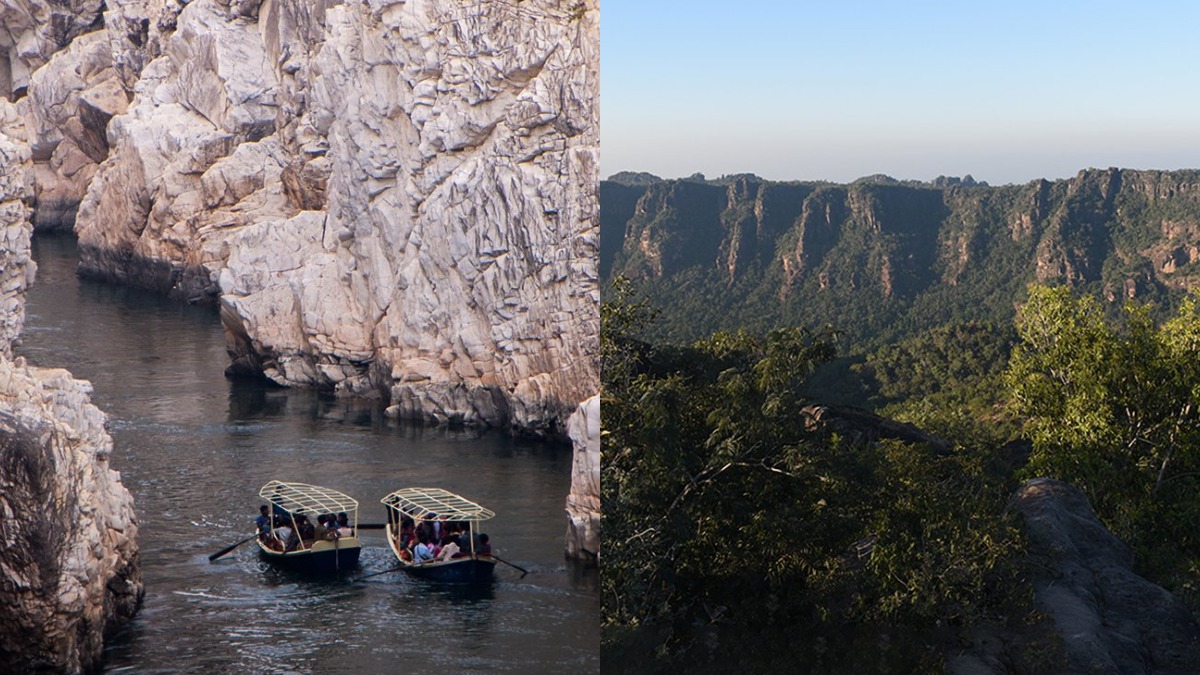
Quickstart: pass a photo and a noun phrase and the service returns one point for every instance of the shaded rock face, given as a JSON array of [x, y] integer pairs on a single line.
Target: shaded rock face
[[390, 198], [1109, 619], [68, 554]]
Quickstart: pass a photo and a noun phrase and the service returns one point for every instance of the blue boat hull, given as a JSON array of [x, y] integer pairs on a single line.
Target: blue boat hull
[[457, 571], [322, 558], [465, 570]]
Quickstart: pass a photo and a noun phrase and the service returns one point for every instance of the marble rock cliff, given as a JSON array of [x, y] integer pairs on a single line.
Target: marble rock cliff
[[583, 504], [386, 198], [68, 554], [394, 198]]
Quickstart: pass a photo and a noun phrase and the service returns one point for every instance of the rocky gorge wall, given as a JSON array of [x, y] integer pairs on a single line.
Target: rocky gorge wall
[[69, 562], [392, 198]]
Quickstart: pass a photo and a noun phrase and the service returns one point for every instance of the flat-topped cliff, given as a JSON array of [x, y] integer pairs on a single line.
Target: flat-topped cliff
[[880, 258]]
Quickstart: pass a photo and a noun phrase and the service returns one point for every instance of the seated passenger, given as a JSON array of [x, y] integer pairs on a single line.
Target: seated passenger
[[343, 525], [263, 522], [330, 531], [449, 550], [482, 547], [307, 532], [423, 552], [286, 536], [408, 532]]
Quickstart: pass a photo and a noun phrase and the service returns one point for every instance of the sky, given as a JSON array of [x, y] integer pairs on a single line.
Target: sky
[[1007, 92]]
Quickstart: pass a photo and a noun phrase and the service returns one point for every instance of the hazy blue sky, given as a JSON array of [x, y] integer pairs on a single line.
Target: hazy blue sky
[[1005, 91]]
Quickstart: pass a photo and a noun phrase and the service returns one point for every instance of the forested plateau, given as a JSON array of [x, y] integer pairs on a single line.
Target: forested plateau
[[901, 427], [881, 260]]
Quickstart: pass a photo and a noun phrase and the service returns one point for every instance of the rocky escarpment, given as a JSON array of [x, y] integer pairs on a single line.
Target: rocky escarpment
[[876, 255], [68, 554], [395, 198], [1108, 619]]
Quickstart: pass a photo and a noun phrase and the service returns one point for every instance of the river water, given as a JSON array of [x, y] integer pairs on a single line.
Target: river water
[[194, 447]]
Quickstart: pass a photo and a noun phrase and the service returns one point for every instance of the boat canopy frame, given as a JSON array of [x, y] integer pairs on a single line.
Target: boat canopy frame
[[419, 502], [302, 498]]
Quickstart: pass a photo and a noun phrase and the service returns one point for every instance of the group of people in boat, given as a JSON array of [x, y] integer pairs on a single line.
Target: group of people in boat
[[437, 539], [278, 532]]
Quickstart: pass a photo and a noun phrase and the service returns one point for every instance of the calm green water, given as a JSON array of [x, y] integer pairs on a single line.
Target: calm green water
[[194, 447]]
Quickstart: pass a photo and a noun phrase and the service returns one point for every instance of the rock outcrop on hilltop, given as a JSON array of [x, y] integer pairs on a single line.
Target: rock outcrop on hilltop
[[393, 198], [69, 562], [879, 257], [1108, 619]]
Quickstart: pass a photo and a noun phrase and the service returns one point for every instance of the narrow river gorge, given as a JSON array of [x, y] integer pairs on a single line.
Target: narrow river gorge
[[193, 447]]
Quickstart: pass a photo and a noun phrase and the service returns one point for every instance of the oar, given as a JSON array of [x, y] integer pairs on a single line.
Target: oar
[[375, 574], [227, 549], [523, 570]]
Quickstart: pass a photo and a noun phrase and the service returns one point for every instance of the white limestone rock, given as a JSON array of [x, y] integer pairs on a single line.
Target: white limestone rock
[[449, 154], [16, 267], [31, 31], [68, 553], [69, 562], [72, 98], [583, 504]]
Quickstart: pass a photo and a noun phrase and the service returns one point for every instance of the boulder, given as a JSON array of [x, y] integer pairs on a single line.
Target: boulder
[[1106, 618]]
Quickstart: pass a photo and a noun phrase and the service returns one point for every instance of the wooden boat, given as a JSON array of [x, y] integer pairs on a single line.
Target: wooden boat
[[435, 504], [292, 503]]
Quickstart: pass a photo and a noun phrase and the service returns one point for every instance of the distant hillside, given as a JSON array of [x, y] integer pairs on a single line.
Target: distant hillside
[[881, 259]]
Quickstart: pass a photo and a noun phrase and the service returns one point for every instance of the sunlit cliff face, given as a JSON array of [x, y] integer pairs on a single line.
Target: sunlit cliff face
[[393, 198]]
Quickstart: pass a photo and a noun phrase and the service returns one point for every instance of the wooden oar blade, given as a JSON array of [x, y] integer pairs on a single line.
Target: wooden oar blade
[[523, 570], [375, 574], [227, 549]]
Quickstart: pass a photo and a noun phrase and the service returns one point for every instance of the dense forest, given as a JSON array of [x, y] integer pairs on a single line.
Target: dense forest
[[822, 480]]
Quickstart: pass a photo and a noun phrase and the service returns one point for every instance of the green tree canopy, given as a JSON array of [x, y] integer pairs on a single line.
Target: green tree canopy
[[729, 518], [1113, 410]]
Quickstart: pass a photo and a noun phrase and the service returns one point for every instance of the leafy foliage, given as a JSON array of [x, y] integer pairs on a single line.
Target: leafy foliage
[[1114, 412], [729, 519]]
